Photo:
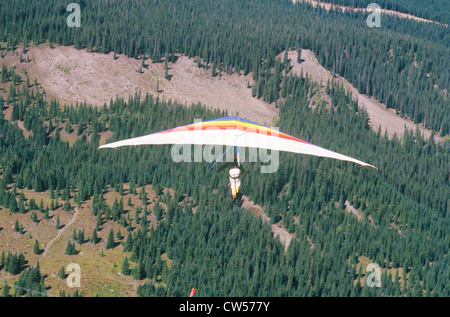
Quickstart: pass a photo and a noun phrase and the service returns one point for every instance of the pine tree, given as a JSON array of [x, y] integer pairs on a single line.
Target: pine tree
[[139, 272], [32, 205], [125, 267], [299, 55], [13, 265], [166, 70], [36, 248], [70, 248], [46, 214], [13, 205], [67, 206], [62, 273], [213, 70], [99, 222], [6, 289], [119, 235], [94, 237], [17, 225], [143, 62], [68, 127], [34, 217], [2, 260], [128, 243], [110, 240], [80, 237]]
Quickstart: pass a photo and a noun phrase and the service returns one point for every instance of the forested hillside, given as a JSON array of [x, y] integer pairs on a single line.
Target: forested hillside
[[403, 64], [221, 249], [341, 216], [435, 10]]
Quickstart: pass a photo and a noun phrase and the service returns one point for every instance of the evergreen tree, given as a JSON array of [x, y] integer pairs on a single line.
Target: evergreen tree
[[6, 289], [58, 225], [94, 237], [62, 273], [34, 217], [110, 244], [166, 70], [70, 248], [125, 267], [36, 248], [13, 205], [2, 260], [17, 225]]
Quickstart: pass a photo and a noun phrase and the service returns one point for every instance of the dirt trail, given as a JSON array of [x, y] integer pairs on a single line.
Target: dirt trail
[[327, 6], [60, 232]]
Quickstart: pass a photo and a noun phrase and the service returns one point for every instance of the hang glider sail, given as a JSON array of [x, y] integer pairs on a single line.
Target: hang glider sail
[[237, 132]]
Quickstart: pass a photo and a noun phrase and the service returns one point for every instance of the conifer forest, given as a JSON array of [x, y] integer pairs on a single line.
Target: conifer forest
[[161, 228]]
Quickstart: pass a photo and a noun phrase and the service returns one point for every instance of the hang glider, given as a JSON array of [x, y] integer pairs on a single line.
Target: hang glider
[[237, 132]]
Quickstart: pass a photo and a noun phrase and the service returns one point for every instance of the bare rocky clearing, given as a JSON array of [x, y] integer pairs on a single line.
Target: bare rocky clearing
[[327, 6], [72, 75], [277, 229], [379, 115]]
